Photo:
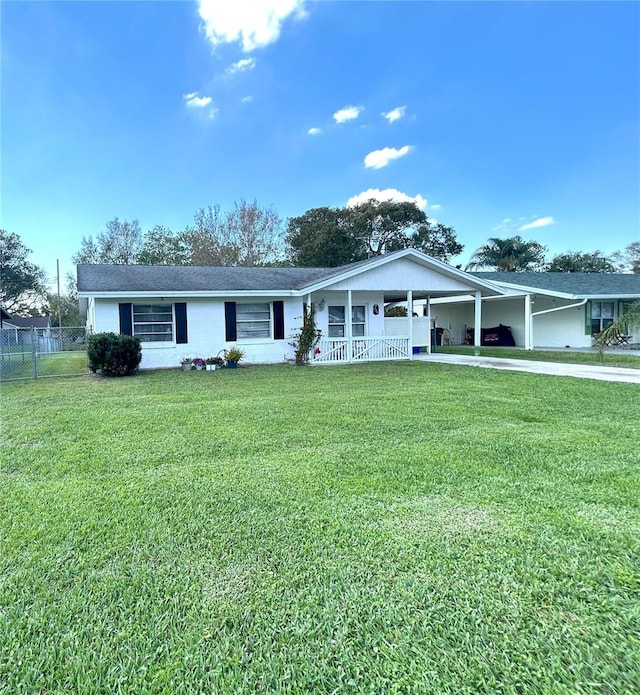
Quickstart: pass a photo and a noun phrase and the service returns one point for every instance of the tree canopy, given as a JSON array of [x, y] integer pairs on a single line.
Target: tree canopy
[[629, 258], [118, 244], [576, 262], [329, 237], [23, 285], [512, 254]]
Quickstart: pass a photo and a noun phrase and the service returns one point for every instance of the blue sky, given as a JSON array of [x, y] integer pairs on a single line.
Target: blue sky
[[498, 118]]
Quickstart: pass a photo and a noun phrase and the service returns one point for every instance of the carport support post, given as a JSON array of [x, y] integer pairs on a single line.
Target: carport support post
[[477, 326], [429, 322], [410, 315], [528, 323], [349, 329]]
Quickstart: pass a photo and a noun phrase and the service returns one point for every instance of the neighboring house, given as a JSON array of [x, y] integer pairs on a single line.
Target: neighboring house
[[182, 311], [18, 331], [39, 322], [545, 309]]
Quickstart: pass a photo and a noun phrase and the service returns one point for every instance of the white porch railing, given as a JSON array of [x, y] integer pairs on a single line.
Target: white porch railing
[[363, 349]]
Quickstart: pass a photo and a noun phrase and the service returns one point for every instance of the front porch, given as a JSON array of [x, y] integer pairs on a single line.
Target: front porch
[[369, 349]]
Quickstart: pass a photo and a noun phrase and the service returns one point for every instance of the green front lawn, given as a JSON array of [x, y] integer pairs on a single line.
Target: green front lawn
[[616, 359], [379, 528]]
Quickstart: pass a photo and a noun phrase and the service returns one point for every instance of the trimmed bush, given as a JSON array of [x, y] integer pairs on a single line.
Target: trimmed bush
[[113, 354]]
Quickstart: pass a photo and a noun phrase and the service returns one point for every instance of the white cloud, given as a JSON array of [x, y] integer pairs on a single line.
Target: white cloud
[[540, 222], [435, 206], [314, 131], [252, 23], [395, 114], [242, 66], [387, 194], [348, 113], [193, 101], [246, 100], [380, 158]]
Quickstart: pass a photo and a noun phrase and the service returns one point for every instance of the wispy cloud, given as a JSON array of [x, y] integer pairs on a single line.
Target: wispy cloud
[[435, 206], [395, 114], [193, 101], [536, 224], [242, 66], [348, 113], [380, 158], [251, 23], [246, 100], [314, 131], [387, 194]]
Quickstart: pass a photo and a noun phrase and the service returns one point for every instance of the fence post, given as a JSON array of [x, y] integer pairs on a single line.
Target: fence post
[[34, 348]]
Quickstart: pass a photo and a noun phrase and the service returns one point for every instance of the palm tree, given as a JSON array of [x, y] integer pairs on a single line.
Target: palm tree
[[620, 327], [511, 255]]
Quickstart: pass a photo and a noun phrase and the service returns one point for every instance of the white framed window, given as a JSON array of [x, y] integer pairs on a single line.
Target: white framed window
[[153, 322], [253, 320], [601, 315], [337, 321]]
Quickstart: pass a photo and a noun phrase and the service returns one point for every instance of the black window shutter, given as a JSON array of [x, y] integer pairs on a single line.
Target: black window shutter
[[230, 321], [181, 322], [126, 319], [278, 320]]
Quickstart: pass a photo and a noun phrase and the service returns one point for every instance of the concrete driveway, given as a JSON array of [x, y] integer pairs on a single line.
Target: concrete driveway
[[581, 371]]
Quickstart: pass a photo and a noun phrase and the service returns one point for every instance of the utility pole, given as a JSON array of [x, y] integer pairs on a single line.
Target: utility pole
[[59, 303]]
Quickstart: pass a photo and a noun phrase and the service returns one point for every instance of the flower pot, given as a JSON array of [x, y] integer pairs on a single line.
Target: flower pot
[[199, 367], [232, 365], [212, 367], [186, 367]]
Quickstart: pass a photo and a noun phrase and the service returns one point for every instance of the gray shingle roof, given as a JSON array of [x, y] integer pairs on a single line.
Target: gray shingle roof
[[184, 278], [579, 284]]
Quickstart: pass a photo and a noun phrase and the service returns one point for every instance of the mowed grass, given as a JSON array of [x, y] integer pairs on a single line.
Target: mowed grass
[[380, 528], [630, 360], [20, 365]]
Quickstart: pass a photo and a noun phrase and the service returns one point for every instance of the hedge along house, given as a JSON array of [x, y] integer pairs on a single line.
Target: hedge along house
[[183, 311], [546, 309]]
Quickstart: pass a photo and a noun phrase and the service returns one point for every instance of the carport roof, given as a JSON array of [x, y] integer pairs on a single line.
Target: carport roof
[[574, 284]]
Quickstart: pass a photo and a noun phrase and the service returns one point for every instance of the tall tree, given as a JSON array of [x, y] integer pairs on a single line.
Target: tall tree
[[119, 244], [161, 246], [322, 238], [253, 235], [330, 237], [511, 255], [629, 259], [576, 262], [384, 226], [205, 237], [23, 285], [436, 240]]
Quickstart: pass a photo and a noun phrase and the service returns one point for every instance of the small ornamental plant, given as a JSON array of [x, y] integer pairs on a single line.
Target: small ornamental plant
[[186, 360], [215, 361], [198, 362], [233, 355], [306, 339]]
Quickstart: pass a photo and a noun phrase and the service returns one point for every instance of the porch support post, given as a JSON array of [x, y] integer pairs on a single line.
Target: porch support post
[[410, 315], [477, 326], [349, 327], [429, 323], [528, 323]]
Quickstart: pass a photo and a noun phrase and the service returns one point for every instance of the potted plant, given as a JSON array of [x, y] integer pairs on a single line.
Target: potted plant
[[198, 363], [214, 363], [186, 363], [233, 355]]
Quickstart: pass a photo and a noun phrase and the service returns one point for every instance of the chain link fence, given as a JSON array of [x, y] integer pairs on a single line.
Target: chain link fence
[[30, 353]]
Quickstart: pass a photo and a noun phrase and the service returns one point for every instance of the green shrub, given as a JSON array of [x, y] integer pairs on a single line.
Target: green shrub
[[113, 354]]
